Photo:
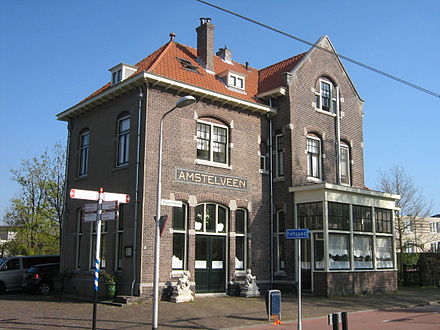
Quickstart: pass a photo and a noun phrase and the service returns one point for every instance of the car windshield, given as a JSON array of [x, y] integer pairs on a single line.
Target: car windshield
[[2, 260]]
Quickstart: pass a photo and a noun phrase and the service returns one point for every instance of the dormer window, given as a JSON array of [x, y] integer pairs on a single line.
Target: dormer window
[[121, 72], [233, 80], [236, 81]]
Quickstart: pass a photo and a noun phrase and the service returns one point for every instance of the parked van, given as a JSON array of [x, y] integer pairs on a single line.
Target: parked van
[[12, 269]]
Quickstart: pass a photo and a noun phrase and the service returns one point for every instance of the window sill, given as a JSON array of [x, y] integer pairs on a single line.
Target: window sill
[[120, 167], [313, 179], [328, 113], [82, 177], [280, 273], [278, 179], [240, 272], [213, 164]]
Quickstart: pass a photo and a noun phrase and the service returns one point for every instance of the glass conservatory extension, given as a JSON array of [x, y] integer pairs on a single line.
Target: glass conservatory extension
[[351, 230]]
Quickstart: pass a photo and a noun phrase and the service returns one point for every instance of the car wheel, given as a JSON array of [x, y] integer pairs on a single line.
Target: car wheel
[[44, 288]]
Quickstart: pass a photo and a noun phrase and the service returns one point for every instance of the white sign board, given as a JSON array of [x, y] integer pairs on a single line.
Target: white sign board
[[170, 202], [90, 217], [113, 215], [91, 207], [84, 194], [121, 198]]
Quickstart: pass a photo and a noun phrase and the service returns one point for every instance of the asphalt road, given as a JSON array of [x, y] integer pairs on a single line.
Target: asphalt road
[[414, 318]]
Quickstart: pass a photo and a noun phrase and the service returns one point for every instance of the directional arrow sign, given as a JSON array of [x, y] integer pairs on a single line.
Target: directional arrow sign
[[110, 205], [90, 217], [113, 215], [121, 198], [297, 233], [90, 207], [84, 194]]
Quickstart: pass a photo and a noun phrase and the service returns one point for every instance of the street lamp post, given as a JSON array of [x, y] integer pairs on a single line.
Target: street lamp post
[[182, 102]]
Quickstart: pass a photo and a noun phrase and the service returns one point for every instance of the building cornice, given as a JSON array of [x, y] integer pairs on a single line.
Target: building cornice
[[154, 80], [345, 189]]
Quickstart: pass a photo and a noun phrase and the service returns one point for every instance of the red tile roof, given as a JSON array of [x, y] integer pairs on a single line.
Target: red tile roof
[[164, 62], [272, 76]]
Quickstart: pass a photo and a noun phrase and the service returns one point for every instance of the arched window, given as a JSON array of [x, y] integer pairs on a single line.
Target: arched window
[[326, 96], [344, 163], [211, 218], [84, 146], [180, 221], [212, 141], [314, 155]]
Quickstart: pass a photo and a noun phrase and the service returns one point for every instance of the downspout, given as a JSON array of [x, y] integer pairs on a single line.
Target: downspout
[[338, 139], [271, 206], [64, 217], [138, 164]]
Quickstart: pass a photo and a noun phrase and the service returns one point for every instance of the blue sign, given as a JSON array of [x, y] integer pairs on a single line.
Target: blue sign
[[297, 233]]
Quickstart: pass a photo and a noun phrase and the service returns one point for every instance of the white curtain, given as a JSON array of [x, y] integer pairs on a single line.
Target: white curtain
[[339, 255], [384, 252]]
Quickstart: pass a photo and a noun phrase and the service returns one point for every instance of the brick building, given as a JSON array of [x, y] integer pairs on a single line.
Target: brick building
[[259, 152]]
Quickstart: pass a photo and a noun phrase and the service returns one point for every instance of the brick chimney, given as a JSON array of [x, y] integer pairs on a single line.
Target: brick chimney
[[205, 44], [225, 54]]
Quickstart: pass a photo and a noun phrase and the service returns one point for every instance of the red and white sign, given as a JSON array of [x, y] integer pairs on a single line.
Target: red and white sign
[[94, 195], [84, 194], [121, 198]]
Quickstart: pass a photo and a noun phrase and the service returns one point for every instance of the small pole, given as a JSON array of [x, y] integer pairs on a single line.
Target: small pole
[[97, 256], [335, 321], [344, 321], [298, 241]]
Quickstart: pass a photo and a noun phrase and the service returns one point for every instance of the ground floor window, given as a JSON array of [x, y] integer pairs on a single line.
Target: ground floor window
[[363, 251], [339, 251], [384, 252], [279, 240], [319, 250]]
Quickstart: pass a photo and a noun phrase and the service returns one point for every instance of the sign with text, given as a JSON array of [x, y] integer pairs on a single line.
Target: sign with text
[[297, 233], [170, 202], [211, 179]]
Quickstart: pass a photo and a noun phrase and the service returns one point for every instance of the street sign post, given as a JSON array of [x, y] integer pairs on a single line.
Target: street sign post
[[298, 234], [109, 203]]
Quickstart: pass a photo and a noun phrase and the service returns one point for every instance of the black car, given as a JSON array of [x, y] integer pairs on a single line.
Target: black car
[[42, 278]]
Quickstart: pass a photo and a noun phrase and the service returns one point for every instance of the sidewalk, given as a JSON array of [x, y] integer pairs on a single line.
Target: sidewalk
[[23, 311]]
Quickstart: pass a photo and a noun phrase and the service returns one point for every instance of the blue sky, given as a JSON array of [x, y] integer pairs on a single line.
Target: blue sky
[[54, 53]]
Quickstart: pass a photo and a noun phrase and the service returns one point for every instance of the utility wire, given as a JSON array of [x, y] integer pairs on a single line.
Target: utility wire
[[365, 66]]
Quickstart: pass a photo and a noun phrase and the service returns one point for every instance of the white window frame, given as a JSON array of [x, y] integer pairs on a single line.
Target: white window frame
[[84, 152], [332, 97], [123, 147], [435, 247], [183, 232], [245, 242], [345, 163], [279, 234], [234, 79], [211, 161], [223, 231], [279, 156], [310, 156]]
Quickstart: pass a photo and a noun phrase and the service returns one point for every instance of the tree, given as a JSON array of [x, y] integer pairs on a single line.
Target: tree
[[37, 210], [412, 207]]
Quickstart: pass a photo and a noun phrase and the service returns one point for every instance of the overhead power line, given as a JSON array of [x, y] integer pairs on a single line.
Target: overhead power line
[[349, 59]]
